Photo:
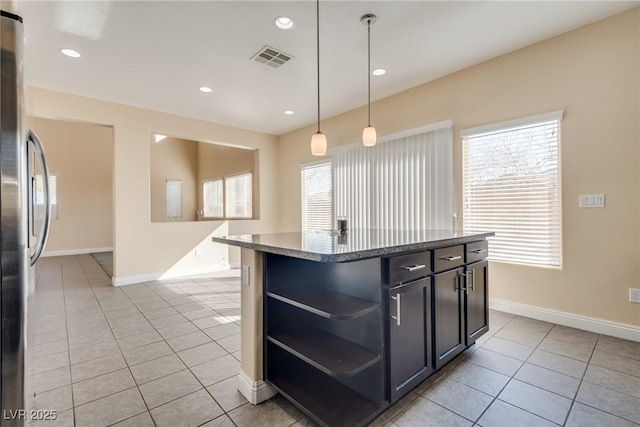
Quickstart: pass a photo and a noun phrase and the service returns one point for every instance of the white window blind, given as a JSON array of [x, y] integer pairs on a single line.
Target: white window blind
[[239, 194], [511, 185], [316, 197], [39, 197], [402, 184], [213, 199]]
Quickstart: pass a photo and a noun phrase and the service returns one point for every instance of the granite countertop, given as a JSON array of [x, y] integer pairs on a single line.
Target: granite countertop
[[328, 246]]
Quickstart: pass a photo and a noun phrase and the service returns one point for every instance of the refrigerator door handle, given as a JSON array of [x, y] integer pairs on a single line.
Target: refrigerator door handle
[[33, 139]]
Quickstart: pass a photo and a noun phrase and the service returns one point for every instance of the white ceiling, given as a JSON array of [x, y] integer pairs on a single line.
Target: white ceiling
[[156, 54]]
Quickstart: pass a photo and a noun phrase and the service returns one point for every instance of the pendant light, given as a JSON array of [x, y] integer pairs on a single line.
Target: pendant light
[[369, 133], [318, 140]]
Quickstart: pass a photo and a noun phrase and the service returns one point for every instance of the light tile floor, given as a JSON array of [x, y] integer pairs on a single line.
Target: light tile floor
[[166, 353]]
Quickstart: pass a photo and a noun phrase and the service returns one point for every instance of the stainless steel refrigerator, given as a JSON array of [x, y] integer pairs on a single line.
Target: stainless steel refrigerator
[[20, 247]]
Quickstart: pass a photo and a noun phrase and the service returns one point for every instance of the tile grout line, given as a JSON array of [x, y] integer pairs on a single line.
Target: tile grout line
[[125, 361], [224, 412], [64, 301], [506, 384], [513, 377], [448, 374], [575, 397], [175, 353], [582, 381]]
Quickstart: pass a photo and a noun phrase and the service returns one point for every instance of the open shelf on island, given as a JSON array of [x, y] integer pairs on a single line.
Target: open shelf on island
[[324, 399], [331, 354], [329, 304]]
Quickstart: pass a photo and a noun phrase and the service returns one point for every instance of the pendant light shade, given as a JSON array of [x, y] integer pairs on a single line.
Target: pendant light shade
[[369, 133], [369, 136], [319, 144], [318, 140]]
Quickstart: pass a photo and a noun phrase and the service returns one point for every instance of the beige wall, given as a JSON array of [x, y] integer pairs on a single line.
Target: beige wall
[[144, 250], [591, 73], [173, 159], [81, 155], [217, 161]]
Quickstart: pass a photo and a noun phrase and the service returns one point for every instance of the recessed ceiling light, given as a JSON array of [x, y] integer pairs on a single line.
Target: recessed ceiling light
[[284, 22], [288, 112], [379, 72], [71, 53], [206, 89]]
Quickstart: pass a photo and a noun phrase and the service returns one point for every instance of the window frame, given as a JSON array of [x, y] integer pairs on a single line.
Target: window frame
[[225, 197], [309, 165], [167, 184], [204, 182], [515, 125], [226, 200]]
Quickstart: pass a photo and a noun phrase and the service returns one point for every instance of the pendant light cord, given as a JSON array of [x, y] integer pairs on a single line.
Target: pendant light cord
[[369, 67], [318, 55]]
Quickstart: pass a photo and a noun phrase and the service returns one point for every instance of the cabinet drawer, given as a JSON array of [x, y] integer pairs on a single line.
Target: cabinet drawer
[[448, 258], [403, 268], [477, 251]]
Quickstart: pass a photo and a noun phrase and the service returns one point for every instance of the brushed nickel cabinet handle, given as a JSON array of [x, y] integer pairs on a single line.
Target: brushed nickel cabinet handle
[[457, 285], [480, 251], [471, 287], [451, 258], [414, 267], [398, 308]]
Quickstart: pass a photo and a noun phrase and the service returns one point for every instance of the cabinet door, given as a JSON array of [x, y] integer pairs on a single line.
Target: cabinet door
[[477, 297], [410, 336], [448, 315]]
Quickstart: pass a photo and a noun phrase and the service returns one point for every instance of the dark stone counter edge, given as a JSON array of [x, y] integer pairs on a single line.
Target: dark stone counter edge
[[354, 255]]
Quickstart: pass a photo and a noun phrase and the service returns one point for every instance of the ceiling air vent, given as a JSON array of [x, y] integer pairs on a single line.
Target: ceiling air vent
[[271, 57]]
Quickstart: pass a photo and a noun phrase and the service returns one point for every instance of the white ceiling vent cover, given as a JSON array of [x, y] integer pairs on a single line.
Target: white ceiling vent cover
[[271, 57]]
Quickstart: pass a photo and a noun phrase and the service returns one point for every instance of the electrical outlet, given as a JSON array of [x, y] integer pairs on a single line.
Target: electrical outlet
[[634, 295]]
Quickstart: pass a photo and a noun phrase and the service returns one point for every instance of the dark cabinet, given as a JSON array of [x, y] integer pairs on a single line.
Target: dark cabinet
[[477, 301], [448, 315], [324, 337], [345, 340], [409, 336]]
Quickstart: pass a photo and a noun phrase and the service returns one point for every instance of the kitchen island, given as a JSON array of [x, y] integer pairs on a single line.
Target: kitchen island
[[345, 325]]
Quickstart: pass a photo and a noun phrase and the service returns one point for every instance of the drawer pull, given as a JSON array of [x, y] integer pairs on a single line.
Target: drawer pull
[[397, 316], [451, 257], [479, 251], [414, 267]]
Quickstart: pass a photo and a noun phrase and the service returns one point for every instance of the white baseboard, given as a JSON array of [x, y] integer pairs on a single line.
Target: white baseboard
[[131, 280], [599, 326], [174, 274], [254, 391], [75, 252]]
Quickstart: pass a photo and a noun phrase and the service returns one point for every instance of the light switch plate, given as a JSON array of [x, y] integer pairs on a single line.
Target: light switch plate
[[245, 275], [591, 201]]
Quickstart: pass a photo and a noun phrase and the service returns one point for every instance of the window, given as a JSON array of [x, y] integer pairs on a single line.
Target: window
[[238, 193], [213, 199], [405, 183], [174, 199], [39, 197], [316, 197], [511, 185]]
